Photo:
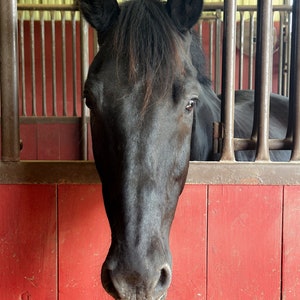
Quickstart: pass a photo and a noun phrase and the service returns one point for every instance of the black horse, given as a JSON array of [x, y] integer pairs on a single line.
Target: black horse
[[152, 109]]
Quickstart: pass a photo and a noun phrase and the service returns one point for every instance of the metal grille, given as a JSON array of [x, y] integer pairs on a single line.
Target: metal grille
[[263, 82], [56, 91], [50, 65], [246, 17]]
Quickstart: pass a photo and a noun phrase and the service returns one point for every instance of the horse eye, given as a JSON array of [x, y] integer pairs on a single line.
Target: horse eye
[[190, 105]]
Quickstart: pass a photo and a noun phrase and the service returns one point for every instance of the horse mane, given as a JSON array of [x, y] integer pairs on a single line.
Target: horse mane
[[146, 38]]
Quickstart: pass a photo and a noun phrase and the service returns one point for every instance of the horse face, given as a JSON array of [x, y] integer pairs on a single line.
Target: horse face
[[141, 136]]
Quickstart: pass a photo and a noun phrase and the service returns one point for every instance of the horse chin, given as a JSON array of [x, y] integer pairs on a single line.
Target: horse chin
[[162, 297]]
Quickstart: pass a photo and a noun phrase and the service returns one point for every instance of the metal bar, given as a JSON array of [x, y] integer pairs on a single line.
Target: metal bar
[[84, 42], [291, 79], [242, 37], [22, 64], [228, 79], [287, 54], [10, 136], [288, 51], [211, 49], [64, 59], [263, 78], [280, 62], [200, 29], [251, 52], [48, 7], [95, 43], [274, 144], [295, 79], [207, 7], [53, 59], [219, 5], [218, 53], [32, 50], [43, 58], [74, 63]]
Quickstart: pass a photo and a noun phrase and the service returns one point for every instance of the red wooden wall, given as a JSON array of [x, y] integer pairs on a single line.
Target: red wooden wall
[[228, 242]]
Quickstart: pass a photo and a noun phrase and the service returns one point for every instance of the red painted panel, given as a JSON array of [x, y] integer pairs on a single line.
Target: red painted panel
[[244, 242], [28, 135], [291, 244], [84, 238], [48, 141], [69, 136], [188, 245], [27, 242]]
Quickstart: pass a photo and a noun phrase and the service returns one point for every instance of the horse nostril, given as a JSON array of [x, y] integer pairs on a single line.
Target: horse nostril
[[164, 279], [124, 285], [108, 283]]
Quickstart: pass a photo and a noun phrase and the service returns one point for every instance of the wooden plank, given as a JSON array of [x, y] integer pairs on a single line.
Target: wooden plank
[[84, 239], [28, 135], [244, 242], [27, 242], [291, 244], [188, 245], [69, 137], [48, 141]]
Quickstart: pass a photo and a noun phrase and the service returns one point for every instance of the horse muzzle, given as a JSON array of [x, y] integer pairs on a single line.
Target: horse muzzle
[[133, 284]]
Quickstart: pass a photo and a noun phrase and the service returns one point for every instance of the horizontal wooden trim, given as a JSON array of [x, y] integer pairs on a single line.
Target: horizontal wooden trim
[[84, 172], [48, 172], [51, 120], [255, 173]]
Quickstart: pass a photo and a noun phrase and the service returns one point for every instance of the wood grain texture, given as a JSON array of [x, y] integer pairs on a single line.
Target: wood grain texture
[[244, 242], [291, 244], [28, 242], [188, 241], [84, 239]]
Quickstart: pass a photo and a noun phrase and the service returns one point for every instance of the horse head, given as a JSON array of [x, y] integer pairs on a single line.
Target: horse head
[[141, 90]]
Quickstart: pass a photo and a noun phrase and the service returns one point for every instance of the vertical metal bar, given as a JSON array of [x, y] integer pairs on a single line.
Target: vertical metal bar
[[290, 76], [211, 50], [295, 80], [74, 62], [33, 77], [84, 48], [22, 63], [251, 51], [228, 79], [95, 43], [200, 29], [64, 67], [288, 52], [242, 37], [53, 43], [280, 62], [10, 136], [218, 53], [263, 78], [43, 54]]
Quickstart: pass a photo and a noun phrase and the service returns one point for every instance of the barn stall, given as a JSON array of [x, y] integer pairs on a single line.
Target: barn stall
[[236, 227]]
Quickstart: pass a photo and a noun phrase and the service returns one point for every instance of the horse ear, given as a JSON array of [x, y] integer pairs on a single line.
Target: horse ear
[[100, 14], [184, 13]]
